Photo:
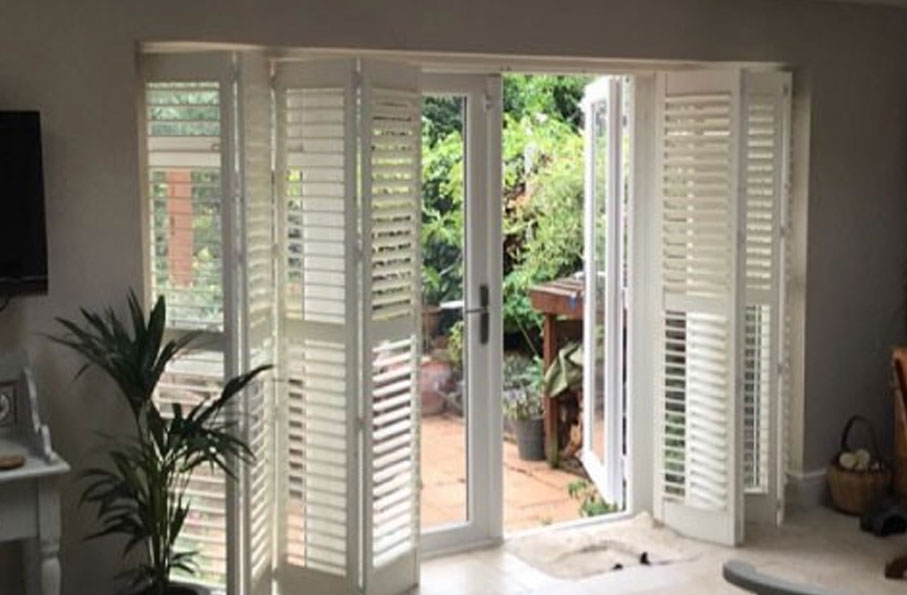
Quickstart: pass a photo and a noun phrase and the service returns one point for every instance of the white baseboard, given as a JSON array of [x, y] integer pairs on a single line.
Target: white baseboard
[[806, 489]]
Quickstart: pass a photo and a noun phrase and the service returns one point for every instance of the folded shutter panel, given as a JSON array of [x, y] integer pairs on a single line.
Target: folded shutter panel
[[318, 540], [188, 103], [390, 137], [766, 118], [257, 315], [698, 483]]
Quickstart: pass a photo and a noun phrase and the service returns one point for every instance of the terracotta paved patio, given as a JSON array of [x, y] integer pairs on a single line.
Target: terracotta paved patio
[[534, 494]]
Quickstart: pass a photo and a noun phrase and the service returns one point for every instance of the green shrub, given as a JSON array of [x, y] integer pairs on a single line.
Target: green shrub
[[591, 502], [543, 194]]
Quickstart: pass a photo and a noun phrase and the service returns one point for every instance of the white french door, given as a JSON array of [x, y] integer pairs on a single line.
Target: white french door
[[480, 98], [604, 283]]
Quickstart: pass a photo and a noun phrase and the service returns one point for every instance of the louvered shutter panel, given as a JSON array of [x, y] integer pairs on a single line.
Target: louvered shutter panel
[[188, 103], [318, 470], [390, 137], [766, 119], [257, 315], [698, 438]]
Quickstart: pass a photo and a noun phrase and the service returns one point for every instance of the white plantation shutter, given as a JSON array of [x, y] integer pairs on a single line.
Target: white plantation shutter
[[257, 309], [188, 147], [318, 538], [390, 136], [766, 118], [315, 266], [698, 444]]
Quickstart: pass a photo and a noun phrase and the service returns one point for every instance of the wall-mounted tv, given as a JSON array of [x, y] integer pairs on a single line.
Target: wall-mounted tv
[[23, 243]]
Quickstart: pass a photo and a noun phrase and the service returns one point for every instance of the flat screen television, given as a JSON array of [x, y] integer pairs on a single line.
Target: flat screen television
[[23, 243]]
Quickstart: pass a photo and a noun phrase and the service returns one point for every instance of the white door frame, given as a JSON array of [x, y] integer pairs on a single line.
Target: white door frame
[[484, 266]]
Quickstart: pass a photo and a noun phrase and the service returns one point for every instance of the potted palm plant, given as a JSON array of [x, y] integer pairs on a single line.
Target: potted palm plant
[[142, 494]]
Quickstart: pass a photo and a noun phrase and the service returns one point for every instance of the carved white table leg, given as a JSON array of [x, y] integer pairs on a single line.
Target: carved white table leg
[[50, 567]]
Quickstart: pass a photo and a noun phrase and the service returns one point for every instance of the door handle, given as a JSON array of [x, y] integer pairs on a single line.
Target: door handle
[[484, 314]]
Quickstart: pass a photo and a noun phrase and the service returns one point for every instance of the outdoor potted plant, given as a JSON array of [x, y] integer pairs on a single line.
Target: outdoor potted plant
[[523, 408], [142, 494]]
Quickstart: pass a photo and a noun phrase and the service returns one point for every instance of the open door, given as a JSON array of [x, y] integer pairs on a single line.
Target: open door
[[699, 178], [603, 317]]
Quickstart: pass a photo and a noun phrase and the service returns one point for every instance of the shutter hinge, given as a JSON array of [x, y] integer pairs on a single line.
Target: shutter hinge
[[358, 249], [488, 103], [784, 231], [785, 89], [783, 368]]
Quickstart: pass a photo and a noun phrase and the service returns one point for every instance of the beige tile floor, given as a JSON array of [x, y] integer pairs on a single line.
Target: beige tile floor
[[816, 546], [534, 494]]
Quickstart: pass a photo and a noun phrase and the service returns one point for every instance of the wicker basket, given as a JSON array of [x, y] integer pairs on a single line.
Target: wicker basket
[[852, 492]]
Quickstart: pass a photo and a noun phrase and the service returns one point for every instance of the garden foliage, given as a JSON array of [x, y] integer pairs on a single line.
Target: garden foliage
[[543, 195]]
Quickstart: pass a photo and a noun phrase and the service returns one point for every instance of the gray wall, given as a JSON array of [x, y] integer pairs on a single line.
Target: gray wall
[[75, 61]]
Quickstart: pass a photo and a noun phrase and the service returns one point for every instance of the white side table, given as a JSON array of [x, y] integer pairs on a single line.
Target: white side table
[[30, 511], [29, 496]]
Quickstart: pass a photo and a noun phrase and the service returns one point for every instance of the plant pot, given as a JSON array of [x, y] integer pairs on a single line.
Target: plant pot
[[530, 439], [431, 321], [434, 380]]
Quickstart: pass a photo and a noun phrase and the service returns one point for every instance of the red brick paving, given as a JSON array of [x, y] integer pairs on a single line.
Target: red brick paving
[[534, 494]]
